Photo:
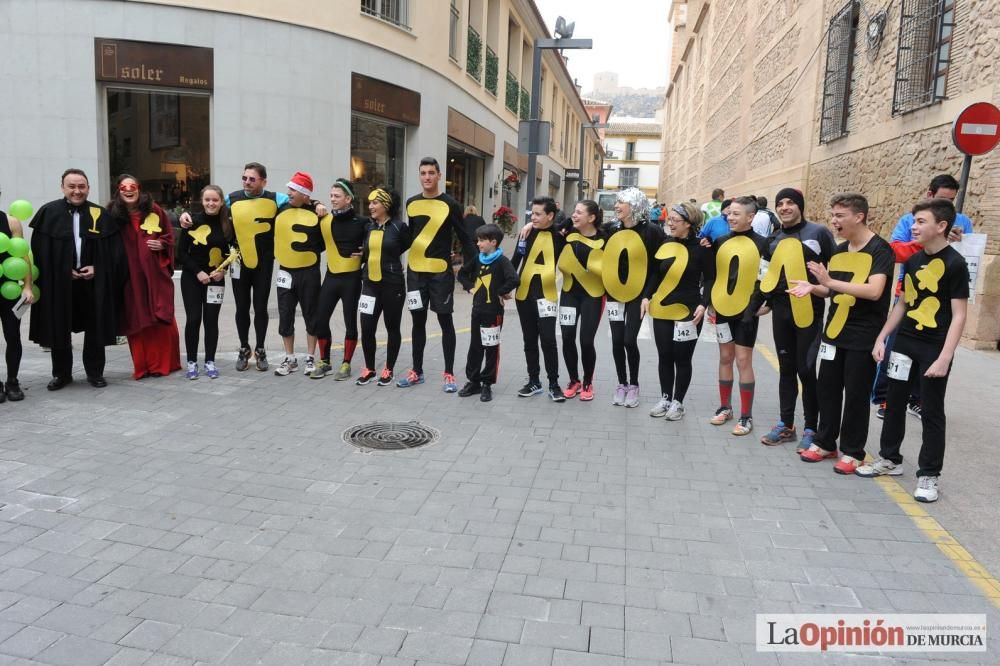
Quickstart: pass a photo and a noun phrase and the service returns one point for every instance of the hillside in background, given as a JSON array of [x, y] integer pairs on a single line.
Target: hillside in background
[[641, 103]]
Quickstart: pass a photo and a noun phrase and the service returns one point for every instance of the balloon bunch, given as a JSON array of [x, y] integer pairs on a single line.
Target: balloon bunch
[[15, 267]]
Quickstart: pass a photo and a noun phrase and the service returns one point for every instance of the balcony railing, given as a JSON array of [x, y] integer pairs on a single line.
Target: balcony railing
[[525, 104], [513, 90], [474, 55], [492, 71]]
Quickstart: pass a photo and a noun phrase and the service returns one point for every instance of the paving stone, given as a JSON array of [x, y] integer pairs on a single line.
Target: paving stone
[[30, 641]]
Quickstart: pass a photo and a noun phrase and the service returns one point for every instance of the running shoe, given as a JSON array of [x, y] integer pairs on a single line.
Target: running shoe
[[321, 370], [533, 387], [211, 371], [815, 453], [880, 467], [486, 394], [880, 412], [344, 372], [287, 367], [262, 359], [470, 388], [366, 377], [450, 385], [779, 434], [744, 426], [676, 411], [12, 390], [914, 408], [619, 398], [385, 378], [847, 465], [808, 435], [243, 359], [587, 393], [192, 371], [556, 393], [411, 378], [310, 367], [632, 395], [927, 489], [573, 389], [722, 414], [661, 407]]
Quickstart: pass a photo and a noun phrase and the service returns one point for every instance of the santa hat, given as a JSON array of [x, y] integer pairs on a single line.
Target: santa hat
[[302, 182]]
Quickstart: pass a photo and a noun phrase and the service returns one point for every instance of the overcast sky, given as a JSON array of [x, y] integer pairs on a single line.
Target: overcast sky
[[631, 38]]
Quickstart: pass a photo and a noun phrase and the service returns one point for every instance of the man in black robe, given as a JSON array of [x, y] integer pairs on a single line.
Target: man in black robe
[[81, 260]]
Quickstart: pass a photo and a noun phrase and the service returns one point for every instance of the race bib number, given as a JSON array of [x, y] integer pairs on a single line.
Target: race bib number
[[215, 294], [284, 280], [723, 333], [546, 308], [413, 300], [685, 331], [899, 366], [366, 304], [762, 268], [490, 336], [567, 316], [827, 352], [234, 269], [615, 311]]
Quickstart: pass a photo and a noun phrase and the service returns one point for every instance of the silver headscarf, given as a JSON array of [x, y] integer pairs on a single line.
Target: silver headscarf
[[635, 198]]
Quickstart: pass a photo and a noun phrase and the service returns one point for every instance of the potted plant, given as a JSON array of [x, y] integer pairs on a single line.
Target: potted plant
[[512, 181], [504, 218]]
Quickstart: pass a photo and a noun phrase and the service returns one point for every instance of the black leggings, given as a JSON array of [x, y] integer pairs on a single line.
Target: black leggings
[[625, 343], [196, 311], [419, 339], [797, 350], [674, 359], [588, 317], [12, 336], [537, 331], [844, 385], [253, 288], [389, 299], [338, 288]]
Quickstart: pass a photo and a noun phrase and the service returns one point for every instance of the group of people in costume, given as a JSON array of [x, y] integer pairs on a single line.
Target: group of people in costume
[[110, 269]]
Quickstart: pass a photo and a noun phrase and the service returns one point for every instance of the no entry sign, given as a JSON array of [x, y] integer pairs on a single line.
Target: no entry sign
[[977, 129]]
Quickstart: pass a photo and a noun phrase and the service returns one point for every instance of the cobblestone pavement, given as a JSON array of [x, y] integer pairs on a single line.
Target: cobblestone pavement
[[176, 522]]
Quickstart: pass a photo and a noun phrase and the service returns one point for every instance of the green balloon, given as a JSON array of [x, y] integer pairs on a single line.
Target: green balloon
[[36, 292], [18, 247], [15, 268], [10, 290], [4, 242], [21, 209], [34, 272]]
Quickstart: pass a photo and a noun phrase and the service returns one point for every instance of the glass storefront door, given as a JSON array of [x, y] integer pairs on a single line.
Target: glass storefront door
[[376, 158], [464, 177]]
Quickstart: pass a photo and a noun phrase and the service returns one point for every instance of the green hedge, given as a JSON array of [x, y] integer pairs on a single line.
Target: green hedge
[[492, 71], [474, 55]]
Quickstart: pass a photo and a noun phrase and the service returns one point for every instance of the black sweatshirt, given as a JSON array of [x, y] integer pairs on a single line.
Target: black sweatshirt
[[492, 280], [203, 246]]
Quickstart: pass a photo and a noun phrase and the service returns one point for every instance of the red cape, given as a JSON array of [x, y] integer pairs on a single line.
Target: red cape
[[149, 294]]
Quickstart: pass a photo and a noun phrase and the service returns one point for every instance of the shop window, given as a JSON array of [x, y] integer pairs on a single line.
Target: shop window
[[163, 140], [376, 157]]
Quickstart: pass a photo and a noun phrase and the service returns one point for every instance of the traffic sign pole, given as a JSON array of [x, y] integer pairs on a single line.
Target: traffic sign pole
[[963, 182]]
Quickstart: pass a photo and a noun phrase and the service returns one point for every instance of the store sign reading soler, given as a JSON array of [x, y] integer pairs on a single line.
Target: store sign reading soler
[[153, 64]]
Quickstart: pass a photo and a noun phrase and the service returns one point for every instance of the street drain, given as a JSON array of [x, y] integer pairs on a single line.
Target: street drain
[[390, 435]]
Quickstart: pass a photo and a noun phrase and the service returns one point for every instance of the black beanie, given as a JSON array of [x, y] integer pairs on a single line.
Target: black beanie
[[793, 194]]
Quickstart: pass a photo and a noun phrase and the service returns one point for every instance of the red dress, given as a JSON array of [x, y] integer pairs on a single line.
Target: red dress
[[149, 296]]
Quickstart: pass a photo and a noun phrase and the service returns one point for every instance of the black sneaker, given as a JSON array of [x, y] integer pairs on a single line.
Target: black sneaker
[[366, 377], [533, 387], [880, 412], [261, 359], [3, 394], [385, 379], [486, 393], [556, 393], [243, 359], [914, 408], [13, 391], [470, 388]]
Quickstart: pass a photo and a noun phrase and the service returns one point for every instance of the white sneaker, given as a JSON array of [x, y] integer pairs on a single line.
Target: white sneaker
[[619, 398], [287, 367], [632, 395], [927, 489], [676, 411], [660, 409], [310, 366], [880, 467]]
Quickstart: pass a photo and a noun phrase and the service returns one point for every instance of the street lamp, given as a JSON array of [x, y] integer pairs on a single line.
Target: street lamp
[[583, 128], [563, 40]]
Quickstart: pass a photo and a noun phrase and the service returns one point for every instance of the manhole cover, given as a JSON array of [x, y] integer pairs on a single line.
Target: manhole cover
[[390, 435]]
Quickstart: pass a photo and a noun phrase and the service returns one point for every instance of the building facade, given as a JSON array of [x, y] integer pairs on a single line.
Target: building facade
[[632, 155], [182, 93], [832, 96]]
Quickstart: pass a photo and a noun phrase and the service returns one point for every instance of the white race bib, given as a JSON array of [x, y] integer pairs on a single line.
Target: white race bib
[[723, 333], [567, 316], [615, 311], [827, 352], [366, 304], [413, 300], [214, 294], [234, 269], [762, 268], [490, 336], [899, 366], [546, 308], [284, 280], [685, 331]]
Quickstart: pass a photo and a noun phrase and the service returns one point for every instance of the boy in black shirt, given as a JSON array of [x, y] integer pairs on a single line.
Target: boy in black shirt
[[930, 317], [495, 279], [537, 297], [855, 281]]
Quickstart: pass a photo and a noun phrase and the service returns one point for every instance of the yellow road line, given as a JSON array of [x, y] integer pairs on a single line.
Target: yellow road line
[[926, 523]]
